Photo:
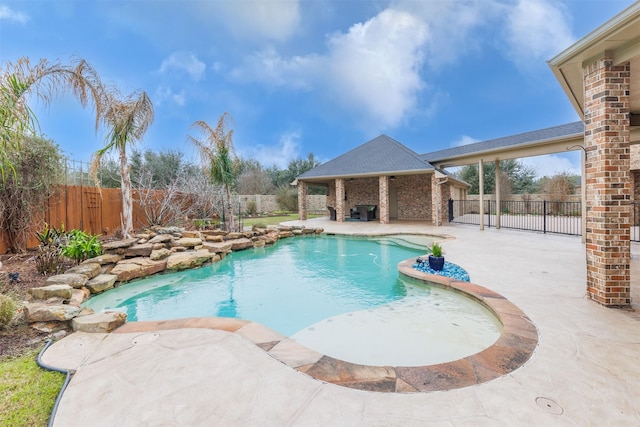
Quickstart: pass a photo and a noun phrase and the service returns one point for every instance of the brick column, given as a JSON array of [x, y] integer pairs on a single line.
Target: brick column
[[340, 200], [302, 200], [383, 187], [608, 182], [434, 200]]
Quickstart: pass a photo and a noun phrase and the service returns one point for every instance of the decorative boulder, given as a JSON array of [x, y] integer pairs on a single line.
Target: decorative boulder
[[72, 279], [162, 253], [186, 260], [104, 259], [51, 291], [189, 242], [240, 244], [118, 244], [99, 322], [143, 249], [133, 268], [101, 283], [42, 312], [90, 269]]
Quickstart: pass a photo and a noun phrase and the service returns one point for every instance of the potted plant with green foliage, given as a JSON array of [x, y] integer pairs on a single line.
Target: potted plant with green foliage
[[436, 260]]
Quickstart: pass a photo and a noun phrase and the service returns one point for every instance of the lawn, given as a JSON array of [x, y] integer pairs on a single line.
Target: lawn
[[27, 392]]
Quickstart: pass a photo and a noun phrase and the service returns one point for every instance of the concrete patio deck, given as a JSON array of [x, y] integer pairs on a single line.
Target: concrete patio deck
[[585, 370]]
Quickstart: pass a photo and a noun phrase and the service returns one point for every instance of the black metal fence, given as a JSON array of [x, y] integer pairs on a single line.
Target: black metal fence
[[544, 216]]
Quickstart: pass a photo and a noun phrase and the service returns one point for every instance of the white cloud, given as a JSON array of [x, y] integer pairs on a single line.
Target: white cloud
[[165, 93], [259, 19], [553, 164], [536, 30], [280, 154], [184, 61], [372, 70], [464, 140], [268, 67], [6, 13]]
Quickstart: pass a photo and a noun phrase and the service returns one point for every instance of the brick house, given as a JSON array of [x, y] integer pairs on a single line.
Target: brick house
[[600, 74]]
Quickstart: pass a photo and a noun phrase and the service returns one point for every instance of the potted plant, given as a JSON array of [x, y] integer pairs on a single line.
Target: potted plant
[[436, 260]]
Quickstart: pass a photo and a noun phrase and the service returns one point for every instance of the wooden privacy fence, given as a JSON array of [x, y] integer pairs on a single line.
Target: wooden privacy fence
[[84, 208]]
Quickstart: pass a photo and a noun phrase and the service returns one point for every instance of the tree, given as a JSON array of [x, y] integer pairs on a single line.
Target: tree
[[128, 120], [20, 80], [519, 176], [23, 194], [252, 179], [218, 158]]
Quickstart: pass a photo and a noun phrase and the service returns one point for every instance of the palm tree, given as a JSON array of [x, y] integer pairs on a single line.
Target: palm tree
[[20, 79], [216, 155], [128, 120]]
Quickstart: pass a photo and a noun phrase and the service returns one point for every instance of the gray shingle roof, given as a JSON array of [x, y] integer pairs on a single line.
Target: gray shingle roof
[[508, 141], [378, 156]]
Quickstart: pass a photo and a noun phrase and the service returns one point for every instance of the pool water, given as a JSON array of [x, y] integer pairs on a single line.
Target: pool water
[[286, 287], [299, 284]]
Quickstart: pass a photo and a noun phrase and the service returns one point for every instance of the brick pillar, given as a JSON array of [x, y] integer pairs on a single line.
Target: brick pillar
[[302, 200], [383, 186], [340, 200], [608, 182], [434, 201], [445, 195]]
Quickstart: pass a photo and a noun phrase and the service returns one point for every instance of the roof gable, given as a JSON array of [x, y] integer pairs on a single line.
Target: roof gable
[[379, 156]]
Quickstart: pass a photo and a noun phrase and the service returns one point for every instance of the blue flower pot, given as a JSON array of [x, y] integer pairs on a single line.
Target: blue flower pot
[[436, 262]]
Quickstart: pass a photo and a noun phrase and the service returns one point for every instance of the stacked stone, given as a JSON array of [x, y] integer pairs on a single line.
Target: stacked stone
[[58, 303]]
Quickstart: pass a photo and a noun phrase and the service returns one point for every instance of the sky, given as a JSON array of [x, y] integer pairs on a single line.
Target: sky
[[312, 76]]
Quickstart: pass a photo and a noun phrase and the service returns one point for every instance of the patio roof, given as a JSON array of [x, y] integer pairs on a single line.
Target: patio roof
[[542, 141], [380, 156]]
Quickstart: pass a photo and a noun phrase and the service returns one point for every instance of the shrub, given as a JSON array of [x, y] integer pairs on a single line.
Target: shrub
[[48, 259], [50, 249], [252, 207], [259, 225], [7, 309], [81, 246], [287, 199]]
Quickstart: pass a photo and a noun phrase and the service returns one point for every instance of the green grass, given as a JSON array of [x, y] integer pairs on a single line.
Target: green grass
[[27, 392], [273, 220]]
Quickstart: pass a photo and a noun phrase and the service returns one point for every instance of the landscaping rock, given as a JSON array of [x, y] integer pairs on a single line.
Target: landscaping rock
[[217, 238], [104, 259], [42, 312], [283, 234], [143, 249], [233, 236], [99, 322], [161, 238], [192, 234], [78, 296], [240, 244], [118, 244], [51, 291], [260, 243], [133, 268], [72, 279], [90, 269], [308, 231], [296, 232], [161, 253], [101, 283], [189, 242], [186, 260]]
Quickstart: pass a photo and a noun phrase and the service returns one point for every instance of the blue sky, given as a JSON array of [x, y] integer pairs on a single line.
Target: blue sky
[[310, 75]]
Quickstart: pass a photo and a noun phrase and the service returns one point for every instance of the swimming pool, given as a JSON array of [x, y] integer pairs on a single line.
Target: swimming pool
[[298, 284]]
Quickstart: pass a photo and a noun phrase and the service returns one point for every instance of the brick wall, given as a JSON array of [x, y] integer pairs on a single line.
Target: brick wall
[[414, 196]]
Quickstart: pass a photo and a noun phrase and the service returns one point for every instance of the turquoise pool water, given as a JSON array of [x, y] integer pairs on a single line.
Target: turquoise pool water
[[287, 287]]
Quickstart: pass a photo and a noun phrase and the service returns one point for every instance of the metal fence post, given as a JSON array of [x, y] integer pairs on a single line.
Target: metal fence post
[[544, 216]]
